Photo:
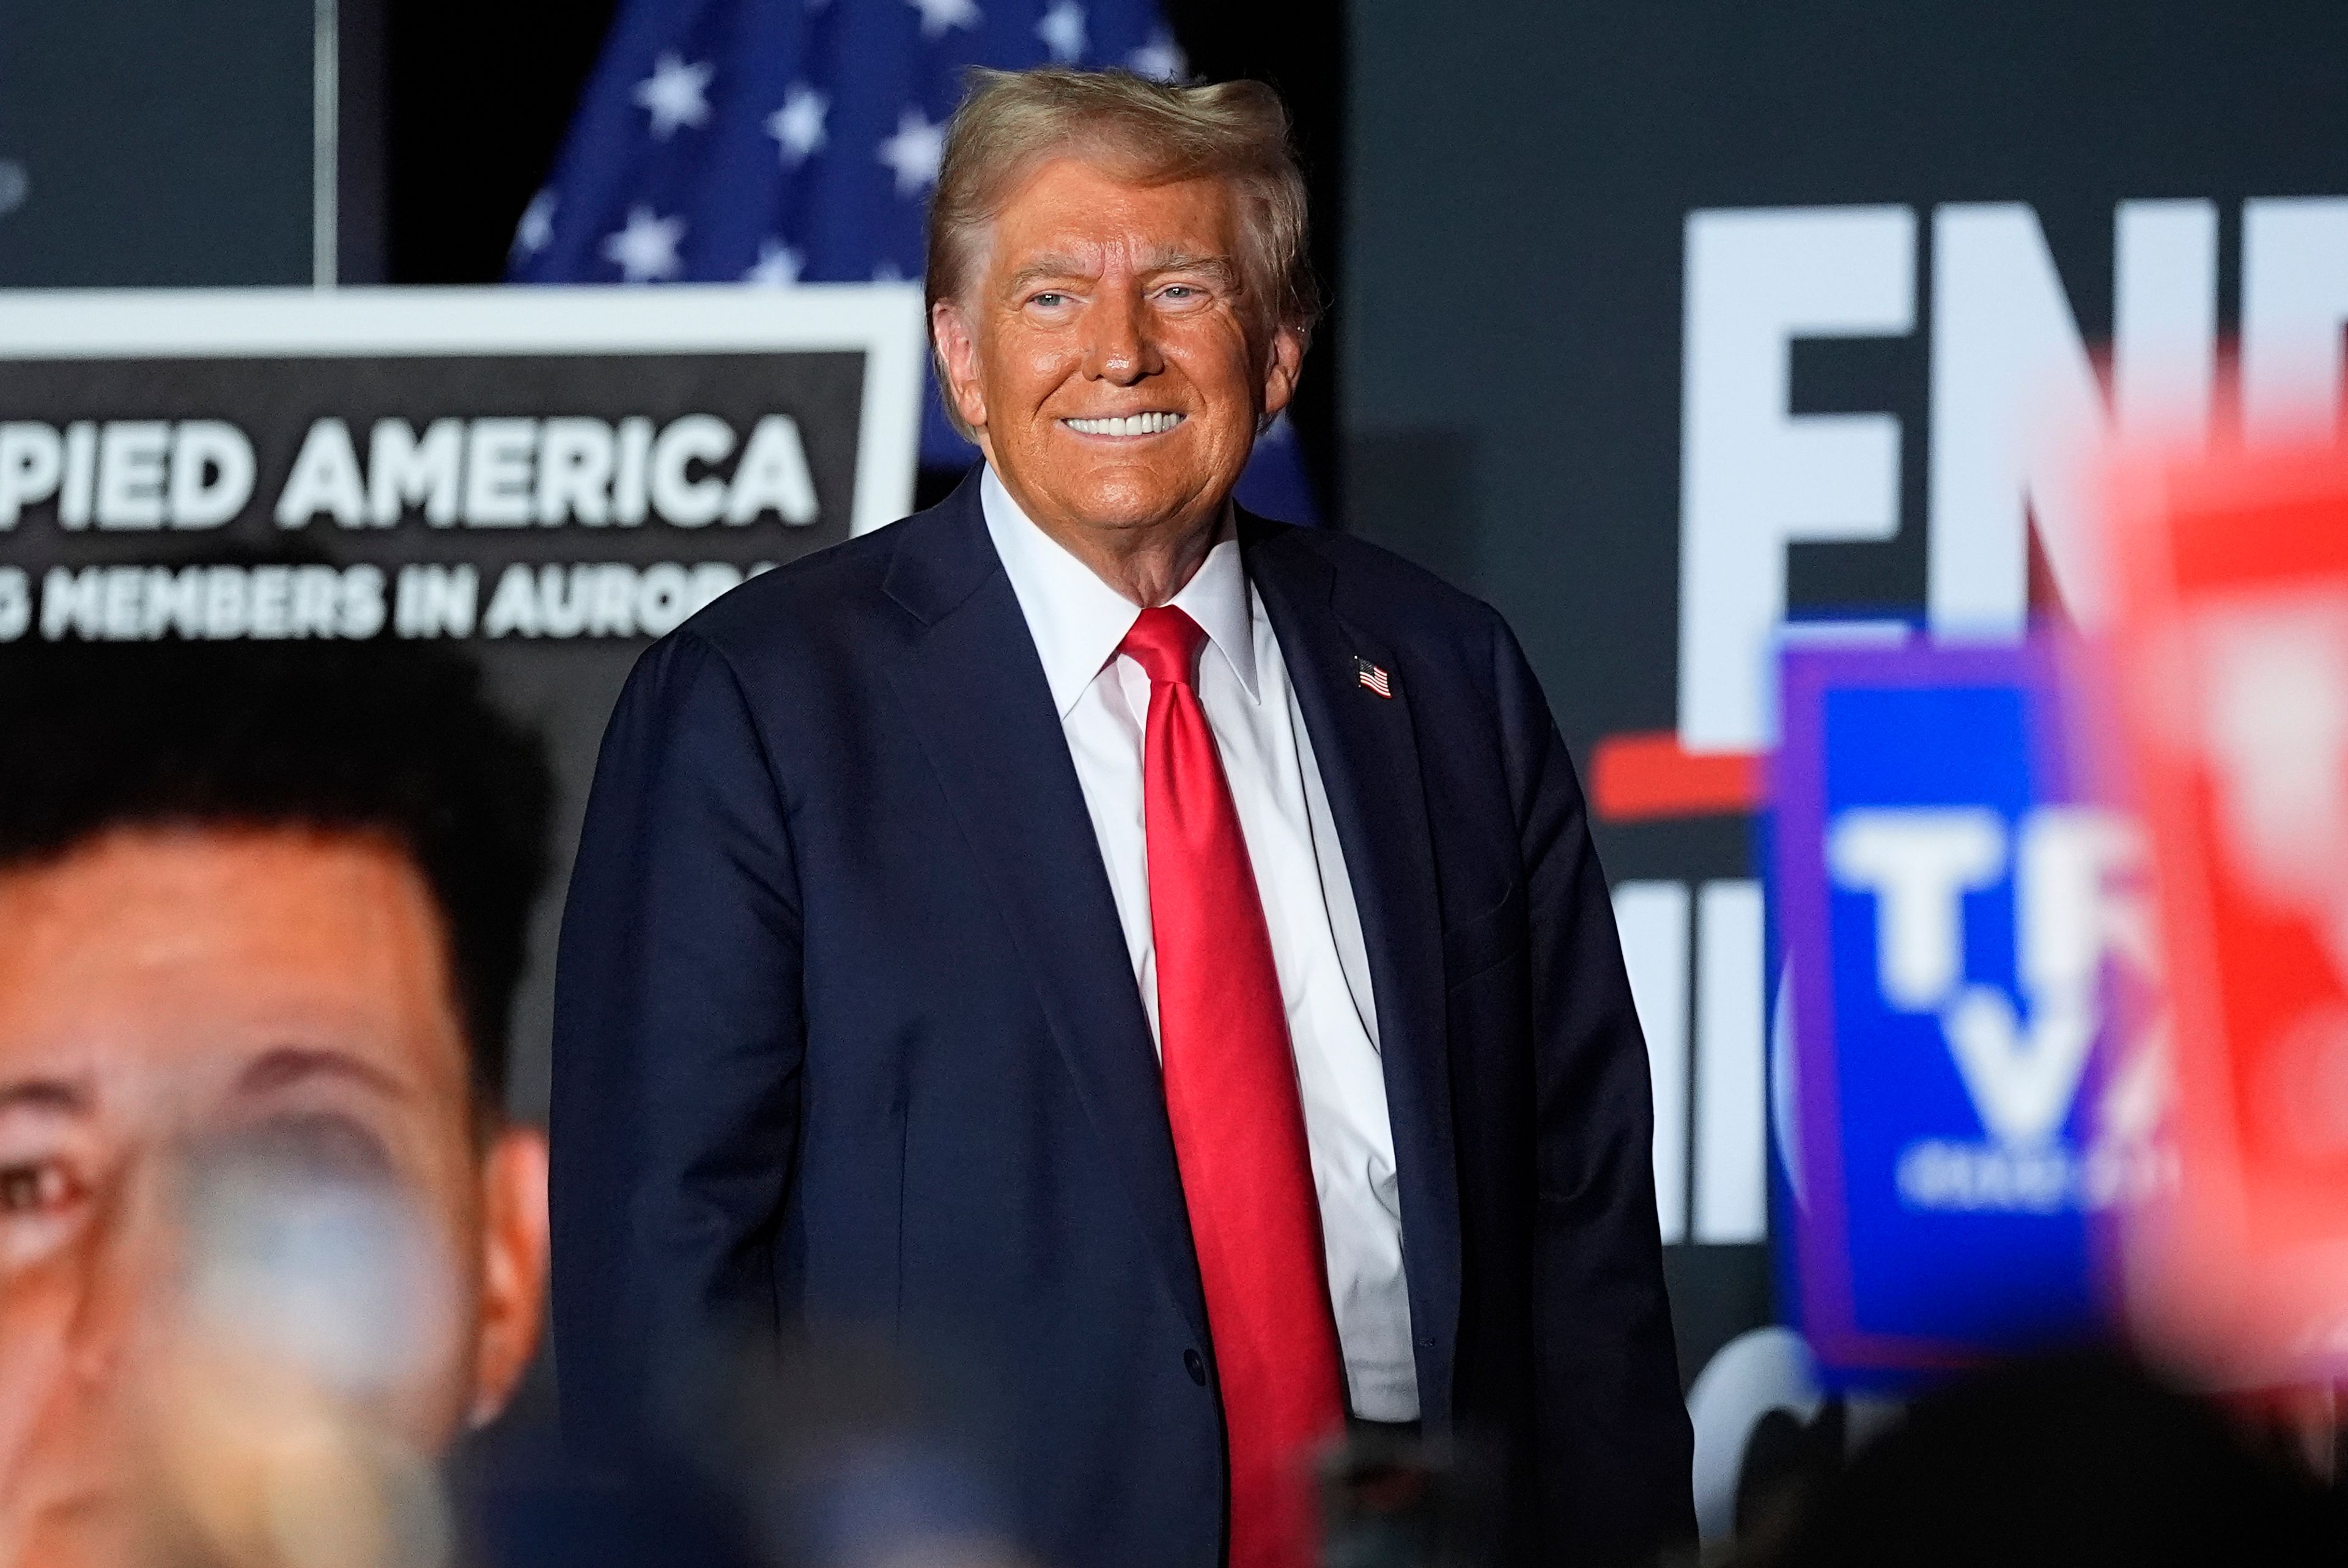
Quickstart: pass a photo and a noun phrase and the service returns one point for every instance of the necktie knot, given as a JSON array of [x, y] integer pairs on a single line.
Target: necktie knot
[[1165, 643]]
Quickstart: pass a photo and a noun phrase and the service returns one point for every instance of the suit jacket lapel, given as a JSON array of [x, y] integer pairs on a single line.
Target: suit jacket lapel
[[975, 689], [1367, 750]]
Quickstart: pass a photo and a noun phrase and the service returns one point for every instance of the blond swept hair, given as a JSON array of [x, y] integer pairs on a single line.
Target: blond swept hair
[[1147, 131]]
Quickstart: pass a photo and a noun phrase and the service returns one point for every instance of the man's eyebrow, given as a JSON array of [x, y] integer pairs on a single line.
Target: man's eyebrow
[[291, 1064], [1047, 267], [57, 1096], [1044, 267], [1183, 262]]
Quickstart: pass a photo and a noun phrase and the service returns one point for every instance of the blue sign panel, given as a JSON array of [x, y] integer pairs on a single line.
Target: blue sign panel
[[1942, 897]]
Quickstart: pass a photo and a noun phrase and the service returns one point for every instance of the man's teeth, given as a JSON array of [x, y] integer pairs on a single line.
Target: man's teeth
[[1131, 425]]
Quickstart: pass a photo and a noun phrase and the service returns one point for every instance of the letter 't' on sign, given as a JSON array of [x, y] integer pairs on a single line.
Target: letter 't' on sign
[[1920, 863]]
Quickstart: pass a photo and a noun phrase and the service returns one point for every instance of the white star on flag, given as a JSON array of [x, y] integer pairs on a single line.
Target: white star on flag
[[778, 266], [887, 272], [536, 230], [937, 16], [676, 94], [646, 250], [914, 151], [1161, 59], [798, 124], [1063, 31]]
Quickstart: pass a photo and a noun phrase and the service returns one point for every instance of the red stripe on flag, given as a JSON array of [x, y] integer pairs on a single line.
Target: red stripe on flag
[[1638, 778]]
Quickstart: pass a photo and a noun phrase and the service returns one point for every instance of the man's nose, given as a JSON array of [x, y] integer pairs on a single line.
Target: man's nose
[[1118, 347], [121, 1269]]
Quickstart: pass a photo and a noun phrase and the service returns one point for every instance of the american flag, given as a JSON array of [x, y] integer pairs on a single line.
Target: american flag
[[783, 141], [1371, 676]]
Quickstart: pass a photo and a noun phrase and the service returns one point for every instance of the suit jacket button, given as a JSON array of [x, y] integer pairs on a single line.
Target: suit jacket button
[[1196, 1365]]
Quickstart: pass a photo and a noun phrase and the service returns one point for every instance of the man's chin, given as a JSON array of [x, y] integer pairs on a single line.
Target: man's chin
[[1121, 502]]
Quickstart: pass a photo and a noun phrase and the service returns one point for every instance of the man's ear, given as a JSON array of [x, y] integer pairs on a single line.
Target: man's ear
[[958, 352], [1282, 368], [513, 1267]]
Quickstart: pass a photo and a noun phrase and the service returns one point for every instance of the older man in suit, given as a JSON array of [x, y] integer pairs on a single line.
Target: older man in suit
[[1145, 960]]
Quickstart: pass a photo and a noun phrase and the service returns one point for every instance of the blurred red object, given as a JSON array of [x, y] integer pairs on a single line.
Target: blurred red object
[[2230, 640], [1649, 775]]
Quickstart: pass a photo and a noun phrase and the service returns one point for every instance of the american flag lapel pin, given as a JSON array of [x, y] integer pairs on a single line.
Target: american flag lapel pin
[[1371, 676]]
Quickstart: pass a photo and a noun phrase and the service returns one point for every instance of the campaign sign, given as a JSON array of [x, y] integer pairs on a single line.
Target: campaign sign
[[1940, 891], [2232, 643], [501, 464]]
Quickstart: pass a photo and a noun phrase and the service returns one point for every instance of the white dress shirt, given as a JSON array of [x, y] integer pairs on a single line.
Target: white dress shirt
[[1103, 698]]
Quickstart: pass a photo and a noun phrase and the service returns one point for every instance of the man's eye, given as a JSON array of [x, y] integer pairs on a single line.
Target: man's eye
[[34, 1187], [1048, 301], [313, 1146]]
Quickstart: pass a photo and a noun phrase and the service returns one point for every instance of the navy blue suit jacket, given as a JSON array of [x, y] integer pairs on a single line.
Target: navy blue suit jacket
[[847, 1035]]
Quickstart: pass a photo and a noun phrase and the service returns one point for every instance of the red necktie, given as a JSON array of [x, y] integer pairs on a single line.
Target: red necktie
[[1237, 1118]]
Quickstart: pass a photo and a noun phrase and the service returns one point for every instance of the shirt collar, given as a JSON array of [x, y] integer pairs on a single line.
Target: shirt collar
[[1077, 620]]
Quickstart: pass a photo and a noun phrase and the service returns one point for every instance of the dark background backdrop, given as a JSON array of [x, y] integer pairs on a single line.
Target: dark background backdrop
[[155, 142]]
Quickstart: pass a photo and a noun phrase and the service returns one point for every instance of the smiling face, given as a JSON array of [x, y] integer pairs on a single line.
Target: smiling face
[[1108, 355], [169, 992]]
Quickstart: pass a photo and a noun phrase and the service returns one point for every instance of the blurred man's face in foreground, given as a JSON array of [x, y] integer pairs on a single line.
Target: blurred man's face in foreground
[[167, 996]]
